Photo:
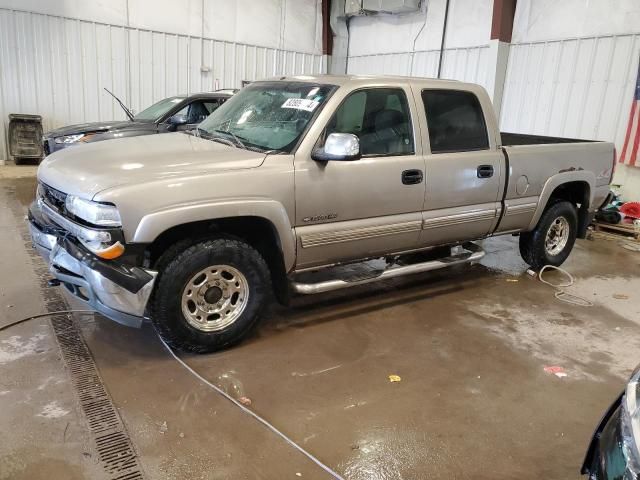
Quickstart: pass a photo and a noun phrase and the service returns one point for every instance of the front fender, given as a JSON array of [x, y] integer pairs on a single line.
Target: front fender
[[554, 182], [153, 224]]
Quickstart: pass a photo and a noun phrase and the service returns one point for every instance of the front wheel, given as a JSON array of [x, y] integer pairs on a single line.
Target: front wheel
[[209, 295], [551, 242]]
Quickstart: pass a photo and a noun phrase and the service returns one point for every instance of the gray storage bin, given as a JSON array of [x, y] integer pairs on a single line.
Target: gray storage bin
[[25, 137]]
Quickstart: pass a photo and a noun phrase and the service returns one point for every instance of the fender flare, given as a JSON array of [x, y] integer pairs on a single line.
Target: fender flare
[[554, 182], [151, 226]]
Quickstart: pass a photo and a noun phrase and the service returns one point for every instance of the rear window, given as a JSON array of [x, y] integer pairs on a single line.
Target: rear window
[[455, 121]]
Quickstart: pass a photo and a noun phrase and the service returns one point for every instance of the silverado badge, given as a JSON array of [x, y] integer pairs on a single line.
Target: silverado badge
[[319, 218]]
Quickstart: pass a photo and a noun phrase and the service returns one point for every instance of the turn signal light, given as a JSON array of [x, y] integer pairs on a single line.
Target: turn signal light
[[111, 252]]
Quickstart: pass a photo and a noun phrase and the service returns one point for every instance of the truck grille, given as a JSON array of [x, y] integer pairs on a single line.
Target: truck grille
[[55, 198]]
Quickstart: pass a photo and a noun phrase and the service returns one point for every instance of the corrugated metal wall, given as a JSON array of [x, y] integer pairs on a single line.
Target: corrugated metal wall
[[579, 88], [56, 67], [467, 64]]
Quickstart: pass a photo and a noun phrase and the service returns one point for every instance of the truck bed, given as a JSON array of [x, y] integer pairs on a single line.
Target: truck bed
[[514, 139], [536, 162]]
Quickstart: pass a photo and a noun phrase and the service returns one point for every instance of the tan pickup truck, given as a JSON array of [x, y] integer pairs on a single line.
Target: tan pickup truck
[[197, 230]]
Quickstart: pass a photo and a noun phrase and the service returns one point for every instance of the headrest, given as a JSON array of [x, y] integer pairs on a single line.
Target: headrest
[[388, 119]]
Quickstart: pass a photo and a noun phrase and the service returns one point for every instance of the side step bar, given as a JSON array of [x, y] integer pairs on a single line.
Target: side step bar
[[473, 253]]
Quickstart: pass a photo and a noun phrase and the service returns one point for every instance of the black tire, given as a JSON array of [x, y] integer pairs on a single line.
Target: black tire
[[179, 265], [532, 244]]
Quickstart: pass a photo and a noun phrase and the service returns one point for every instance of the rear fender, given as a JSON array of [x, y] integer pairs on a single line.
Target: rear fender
[[557, 180]]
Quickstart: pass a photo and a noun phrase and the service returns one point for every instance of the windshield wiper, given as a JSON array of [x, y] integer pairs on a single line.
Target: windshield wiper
[[238, 143], [221, 140], [202, 133]]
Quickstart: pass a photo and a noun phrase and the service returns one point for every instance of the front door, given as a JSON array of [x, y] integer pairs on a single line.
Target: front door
[[347, 210], [464, 169]]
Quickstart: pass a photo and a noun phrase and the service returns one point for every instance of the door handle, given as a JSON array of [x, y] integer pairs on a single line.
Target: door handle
[[485, 171], [412, 177]]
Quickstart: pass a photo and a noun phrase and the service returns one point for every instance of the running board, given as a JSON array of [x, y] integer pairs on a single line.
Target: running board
[[471, 253]]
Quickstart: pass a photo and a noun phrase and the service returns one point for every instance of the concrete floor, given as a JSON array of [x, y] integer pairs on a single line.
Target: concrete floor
[[470, 345]]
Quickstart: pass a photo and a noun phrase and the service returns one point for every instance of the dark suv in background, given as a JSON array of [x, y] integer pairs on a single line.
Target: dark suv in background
[[171, 114]]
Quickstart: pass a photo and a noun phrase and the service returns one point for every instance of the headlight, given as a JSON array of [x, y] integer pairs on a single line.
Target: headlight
[[93, 212], [69, 138], [630, 420]]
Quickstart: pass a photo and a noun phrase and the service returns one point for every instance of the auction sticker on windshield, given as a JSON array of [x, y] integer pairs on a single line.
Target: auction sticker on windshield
[[301, 104]]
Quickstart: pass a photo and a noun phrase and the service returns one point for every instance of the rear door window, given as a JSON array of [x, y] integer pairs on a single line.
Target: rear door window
[[455, 121]]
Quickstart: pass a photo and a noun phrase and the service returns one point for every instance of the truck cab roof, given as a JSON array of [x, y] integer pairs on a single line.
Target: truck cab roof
[[366, 80]]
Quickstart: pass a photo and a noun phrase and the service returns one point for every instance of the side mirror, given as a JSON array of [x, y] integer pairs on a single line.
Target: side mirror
[[175, 121], [338, 146]]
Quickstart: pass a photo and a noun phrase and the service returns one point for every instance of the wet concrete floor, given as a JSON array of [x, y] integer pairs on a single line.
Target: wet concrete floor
[[469, 344]]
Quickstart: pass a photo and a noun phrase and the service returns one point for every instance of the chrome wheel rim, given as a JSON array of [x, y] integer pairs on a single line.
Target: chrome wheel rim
[[557, 236], [214, 298]]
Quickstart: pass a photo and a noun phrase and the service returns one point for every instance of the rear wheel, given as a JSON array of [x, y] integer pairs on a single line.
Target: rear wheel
[[551, 242], [209, 295]]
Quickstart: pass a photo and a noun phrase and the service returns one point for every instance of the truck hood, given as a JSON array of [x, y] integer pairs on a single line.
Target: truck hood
[[97, 127], [88, 169]]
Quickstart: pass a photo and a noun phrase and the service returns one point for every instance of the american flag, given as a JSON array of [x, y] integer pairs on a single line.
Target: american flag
[[630, 152]]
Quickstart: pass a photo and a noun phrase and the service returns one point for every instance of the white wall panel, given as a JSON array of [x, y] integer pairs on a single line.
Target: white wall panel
[[588, 92], [468, 25], [465, 64], [578, 88], [56, 67], [284, 24], [544, 20], [384, 44]]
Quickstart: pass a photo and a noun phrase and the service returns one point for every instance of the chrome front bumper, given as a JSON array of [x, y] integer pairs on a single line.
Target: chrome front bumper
[[91, 287]]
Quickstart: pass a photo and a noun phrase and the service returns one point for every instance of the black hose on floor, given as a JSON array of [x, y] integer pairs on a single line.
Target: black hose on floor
[[264, 422], [41, 315]]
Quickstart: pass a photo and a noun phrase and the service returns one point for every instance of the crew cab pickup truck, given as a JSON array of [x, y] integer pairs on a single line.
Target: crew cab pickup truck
[[196, 230]]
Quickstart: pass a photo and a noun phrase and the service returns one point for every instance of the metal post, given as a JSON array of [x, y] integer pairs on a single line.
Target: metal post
[[444, 33]]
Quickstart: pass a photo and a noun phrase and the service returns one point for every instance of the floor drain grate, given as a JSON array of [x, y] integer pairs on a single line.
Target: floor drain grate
[[115, 450]]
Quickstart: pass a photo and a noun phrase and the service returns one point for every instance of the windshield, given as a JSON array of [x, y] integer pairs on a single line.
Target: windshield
[[267, 115], [157, 110]]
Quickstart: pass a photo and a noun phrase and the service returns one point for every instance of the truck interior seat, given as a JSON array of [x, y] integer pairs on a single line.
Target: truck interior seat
[[390, 134]]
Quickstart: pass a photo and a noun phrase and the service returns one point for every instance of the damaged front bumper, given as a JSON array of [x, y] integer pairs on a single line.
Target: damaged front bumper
[[117, 291]]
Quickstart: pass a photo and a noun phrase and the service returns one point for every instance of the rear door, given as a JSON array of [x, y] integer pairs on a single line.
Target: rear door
[[464, 168]]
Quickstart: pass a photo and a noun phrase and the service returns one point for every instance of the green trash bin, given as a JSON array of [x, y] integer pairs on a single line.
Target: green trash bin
[[25, 137]]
